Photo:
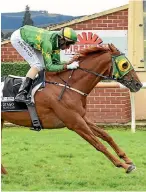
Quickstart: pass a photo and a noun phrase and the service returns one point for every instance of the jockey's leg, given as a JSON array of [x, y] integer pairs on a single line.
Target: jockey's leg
[[34, 59], [99, 132], [23, 90], [26, 85], [33, 71]]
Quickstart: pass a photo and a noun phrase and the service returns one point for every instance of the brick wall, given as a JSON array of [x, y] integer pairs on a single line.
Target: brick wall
[[114, 21], [104, 105], [8, 53], [109, 105]]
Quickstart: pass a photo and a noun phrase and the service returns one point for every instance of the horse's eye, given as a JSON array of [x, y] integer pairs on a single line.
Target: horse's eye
[[125, 65]]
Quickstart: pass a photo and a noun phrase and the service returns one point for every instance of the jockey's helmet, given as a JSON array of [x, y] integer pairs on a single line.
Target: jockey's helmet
[[68, 34]]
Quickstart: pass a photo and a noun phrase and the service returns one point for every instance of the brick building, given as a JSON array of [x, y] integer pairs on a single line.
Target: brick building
[[105, 105]]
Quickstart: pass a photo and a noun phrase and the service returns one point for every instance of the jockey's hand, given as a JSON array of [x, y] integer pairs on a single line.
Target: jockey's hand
[[73, 65], [76, 57]]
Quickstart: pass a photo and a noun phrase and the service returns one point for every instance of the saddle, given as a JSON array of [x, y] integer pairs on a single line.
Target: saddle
[[10, 86]]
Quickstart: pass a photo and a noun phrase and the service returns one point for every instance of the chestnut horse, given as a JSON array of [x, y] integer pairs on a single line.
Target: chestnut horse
[[95, 64]]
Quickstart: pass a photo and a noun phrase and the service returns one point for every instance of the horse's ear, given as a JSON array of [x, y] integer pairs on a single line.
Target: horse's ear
[[113, 46], [110, 47]]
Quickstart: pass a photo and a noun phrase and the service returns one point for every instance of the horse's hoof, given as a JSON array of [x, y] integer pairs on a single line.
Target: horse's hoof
[[131, 168]]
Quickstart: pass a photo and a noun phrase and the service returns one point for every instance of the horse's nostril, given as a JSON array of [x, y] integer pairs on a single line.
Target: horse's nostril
[[138, 85]]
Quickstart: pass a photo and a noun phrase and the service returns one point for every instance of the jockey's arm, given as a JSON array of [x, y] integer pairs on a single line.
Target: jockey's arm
[[56, 58], [52, 59]]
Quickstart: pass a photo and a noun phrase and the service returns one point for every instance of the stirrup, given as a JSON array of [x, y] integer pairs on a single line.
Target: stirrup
[[19, 99]]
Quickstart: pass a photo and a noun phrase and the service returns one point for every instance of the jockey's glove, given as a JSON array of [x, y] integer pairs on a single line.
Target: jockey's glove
[[73, 65]]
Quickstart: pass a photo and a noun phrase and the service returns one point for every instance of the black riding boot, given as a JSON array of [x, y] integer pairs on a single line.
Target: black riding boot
[[23, 90]]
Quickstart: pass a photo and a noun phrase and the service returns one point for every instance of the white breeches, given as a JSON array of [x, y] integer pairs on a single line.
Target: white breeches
[[31, 55]]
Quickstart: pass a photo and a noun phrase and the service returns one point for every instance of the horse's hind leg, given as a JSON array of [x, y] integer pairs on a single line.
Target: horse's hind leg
[[3, 170], [106, 137]]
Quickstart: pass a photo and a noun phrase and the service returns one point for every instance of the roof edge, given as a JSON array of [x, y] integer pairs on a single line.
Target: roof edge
[[5, 42], [84, 18], [88, 17]]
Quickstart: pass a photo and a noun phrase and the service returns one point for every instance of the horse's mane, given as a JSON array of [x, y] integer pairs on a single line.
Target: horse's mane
[[91, 50], [104, 48]]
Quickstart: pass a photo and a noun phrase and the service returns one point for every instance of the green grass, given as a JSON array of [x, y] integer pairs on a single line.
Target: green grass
[[61, 160]]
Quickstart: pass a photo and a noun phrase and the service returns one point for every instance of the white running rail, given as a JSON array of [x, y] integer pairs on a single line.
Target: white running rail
[[132, 98]]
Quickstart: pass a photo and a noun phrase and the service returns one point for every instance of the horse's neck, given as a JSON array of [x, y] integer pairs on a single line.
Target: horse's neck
[[82, 80], [85, 81]]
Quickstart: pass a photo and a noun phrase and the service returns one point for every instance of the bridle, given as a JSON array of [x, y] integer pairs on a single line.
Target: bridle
[[66, 83], [113, 78], [100, 75]]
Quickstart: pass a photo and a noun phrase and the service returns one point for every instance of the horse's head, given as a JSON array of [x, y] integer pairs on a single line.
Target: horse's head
[[107, 62], [123, 70]]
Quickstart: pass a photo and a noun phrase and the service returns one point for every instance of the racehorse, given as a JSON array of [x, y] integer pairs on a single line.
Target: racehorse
[[95, 64]]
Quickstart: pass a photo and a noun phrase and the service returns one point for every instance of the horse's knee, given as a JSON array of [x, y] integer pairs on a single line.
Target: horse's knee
[[101, 148], [107, 137]]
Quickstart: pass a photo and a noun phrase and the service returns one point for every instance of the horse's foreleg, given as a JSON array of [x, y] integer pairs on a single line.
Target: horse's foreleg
[[75, 122], [84, 131], [99, 132], [3, 170]]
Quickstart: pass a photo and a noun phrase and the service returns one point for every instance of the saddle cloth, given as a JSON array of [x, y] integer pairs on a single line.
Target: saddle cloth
[[10, 86]]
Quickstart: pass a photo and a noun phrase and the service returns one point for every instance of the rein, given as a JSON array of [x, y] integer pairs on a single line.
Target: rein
[[97, 74], [103, 76], [66, 83]]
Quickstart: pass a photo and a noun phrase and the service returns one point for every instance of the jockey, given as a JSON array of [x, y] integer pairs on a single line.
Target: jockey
[[41, 49]]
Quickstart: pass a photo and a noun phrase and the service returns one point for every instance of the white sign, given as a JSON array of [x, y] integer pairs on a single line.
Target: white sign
[[88, 38]]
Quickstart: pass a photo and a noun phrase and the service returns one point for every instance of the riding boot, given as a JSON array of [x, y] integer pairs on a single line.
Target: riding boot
[[23, 90]]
